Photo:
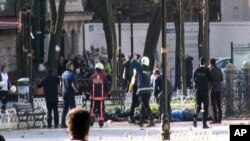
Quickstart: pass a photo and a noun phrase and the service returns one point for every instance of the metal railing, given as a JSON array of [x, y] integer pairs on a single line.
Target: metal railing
[[235, 94]]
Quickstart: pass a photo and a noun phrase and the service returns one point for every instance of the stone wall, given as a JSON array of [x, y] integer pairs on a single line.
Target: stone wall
[[8, 48], [7, 8]]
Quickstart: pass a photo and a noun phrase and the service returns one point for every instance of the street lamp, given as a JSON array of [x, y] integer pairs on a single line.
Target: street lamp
[[119, 12], [131, 29], [118, 7], [165, 130]]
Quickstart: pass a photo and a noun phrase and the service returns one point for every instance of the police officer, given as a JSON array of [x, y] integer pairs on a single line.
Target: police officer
[[144, 88], [68, 90], [202, 78]]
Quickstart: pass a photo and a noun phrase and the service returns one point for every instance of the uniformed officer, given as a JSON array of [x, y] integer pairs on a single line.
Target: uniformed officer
[[144, 89], [68, 91], [202, 78]]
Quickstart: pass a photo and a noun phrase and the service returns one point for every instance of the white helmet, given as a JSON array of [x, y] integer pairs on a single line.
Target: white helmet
[[145, 61], [99, 66], [13, 89]]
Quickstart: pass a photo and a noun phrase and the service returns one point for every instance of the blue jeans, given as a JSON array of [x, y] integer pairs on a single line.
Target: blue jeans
[[69, 102]]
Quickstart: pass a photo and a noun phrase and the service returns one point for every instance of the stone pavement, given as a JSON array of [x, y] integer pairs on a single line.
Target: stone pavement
[[122, 131]]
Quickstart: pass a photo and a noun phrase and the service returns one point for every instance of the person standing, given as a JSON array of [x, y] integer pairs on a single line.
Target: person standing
[[98, 88], [4, 78], [144, 89], [189, 71], [68, 91], [158, 87], [202, 78], [127, 71], [216, 91], [49, 84], [107, 69]]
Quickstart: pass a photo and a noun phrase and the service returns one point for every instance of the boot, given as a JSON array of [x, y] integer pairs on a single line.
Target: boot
[[140, 124], [205, 126], [195, 121], [151, 123]]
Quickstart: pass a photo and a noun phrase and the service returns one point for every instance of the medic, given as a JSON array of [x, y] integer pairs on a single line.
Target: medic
[[98, 88]]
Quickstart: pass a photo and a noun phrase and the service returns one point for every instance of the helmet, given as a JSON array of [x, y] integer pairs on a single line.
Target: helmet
[[99, 66], [13, 89], [145, 61]]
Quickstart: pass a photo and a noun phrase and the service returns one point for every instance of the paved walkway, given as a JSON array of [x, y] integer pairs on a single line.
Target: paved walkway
[[119, 131]]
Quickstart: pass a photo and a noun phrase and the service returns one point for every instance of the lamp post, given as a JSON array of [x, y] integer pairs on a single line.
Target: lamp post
[[165, 129], [131, 29], [119, 65]]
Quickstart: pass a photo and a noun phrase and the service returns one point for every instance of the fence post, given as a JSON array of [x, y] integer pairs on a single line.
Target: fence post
[[229, 78], [246, 70]]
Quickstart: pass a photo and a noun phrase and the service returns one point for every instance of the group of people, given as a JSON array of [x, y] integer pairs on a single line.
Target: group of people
[[69, 87], [208, 79], [142, 83]]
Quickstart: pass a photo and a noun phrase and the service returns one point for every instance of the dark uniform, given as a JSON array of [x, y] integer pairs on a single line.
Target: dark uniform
[[157, 86], [49, 84], [68, 92], [202, 78], [189, 71], [128, 72], [144, 90], [216, 92]]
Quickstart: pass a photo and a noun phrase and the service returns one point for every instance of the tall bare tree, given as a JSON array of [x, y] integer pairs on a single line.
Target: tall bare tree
[[56, 23], [103, 9]]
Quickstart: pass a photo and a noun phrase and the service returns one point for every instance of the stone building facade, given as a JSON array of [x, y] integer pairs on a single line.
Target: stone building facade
[[72, 40], [8, 34]]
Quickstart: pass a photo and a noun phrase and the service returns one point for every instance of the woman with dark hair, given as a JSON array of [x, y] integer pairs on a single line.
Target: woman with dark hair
[[4, 86]]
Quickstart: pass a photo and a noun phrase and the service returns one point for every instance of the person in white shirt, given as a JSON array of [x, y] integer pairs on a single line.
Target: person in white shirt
[[4, 86]]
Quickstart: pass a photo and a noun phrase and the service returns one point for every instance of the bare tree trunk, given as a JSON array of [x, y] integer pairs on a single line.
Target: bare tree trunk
[[55, 32], [203, 36], [103, 9], [206, 31], [177, 51], [21, 49], [153, 34], [182, 52], [200, 33]]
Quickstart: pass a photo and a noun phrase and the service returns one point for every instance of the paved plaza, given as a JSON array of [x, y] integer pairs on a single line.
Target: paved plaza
[[123, 131]]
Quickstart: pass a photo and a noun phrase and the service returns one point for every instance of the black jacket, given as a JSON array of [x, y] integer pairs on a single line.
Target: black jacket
[[202, 77], [217, 79], [158, 85], [49, 84], [127, 69], [143, 76]]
